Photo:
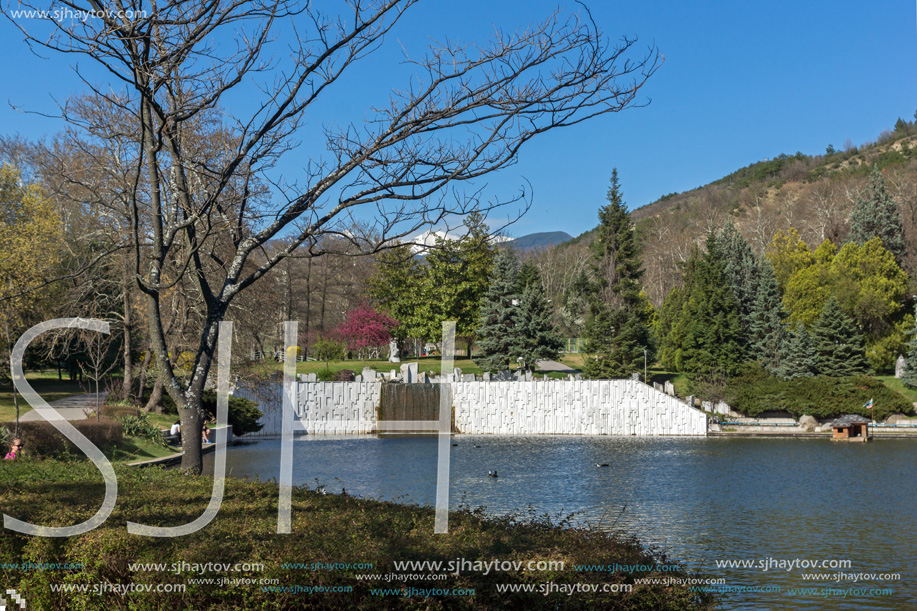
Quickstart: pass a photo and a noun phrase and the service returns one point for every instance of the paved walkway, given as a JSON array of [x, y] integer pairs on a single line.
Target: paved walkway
[[555, 366], [71, 408]]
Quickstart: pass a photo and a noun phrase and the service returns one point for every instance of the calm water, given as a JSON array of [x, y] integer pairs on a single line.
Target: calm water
[[700, 500]]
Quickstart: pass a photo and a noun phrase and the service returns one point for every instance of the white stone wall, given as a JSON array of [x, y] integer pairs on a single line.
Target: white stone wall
[[572, 407], [552, 407], [322, 407]]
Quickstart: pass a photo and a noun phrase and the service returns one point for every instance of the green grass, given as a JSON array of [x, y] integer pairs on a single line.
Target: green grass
[[162, 421], [429, 364], [326, 529], [133, 449], [678, 380], [895, 384], [572, 359], [45, 384]]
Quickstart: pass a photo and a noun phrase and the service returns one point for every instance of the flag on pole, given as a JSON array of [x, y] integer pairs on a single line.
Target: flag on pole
[[868, 405]]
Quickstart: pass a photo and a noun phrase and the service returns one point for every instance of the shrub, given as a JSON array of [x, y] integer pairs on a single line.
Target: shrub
[[755, 392], [41, 439], [345, 375], [325, 376], [6, 436], [329, 350], [243, 414], [140, 426]]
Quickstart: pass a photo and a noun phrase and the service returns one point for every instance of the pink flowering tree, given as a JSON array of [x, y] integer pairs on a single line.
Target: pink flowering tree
[[366, 330]]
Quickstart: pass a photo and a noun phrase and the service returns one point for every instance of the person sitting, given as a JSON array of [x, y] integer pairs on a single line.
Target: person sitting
[[15, 448], [205, 433], [175, 432]]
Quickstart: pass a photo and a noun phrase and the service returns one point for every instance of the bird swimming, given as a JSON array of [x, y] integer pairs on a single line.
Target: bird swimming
[[492, 473], [604, 464]]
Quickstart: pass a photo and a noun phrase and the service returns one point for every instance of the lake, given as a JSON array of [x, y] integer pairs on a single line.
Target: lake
[[701, 500]]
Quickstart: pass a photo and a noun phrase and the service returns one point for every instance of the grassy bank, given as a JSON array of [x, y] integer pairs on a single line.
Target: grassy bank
[[430, 364], [326, 529], [895, 384]]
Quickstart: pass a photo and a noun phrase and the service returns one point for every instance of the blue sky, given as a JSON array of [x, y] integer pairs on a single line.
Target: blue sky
[[741, 81]]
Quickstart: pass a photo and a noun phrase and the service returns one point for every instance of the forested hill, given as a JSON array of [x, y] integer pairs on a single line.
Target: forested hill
[[812, 193]]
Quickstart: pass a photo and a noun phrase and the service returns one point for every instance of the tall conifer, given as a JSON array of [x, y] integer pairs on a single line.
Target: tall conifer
[[767, 333], [838, 344], [498, 315], [535, 338], [713, 339], [740, 265], [616, 330], [909, 377], [875, 214], [797, 356]]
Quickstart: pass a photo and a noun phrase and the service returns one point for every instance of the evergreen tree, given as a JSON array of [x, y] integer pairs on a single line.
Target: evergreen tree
[[670, 324], [909, 377], [767, 334], [397, 287], [838, 345], [629, 336], [712, 329], [669, 340], [535, 338], [740, 266], [457, 274], [797, 355], [875, 214], [528, 275], [615, 252], [617, 329], [498, 315]]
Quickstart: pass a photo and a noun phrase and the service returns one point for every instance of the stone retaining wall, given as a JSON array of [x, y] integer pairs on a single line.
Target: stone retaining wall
[[538, 407]]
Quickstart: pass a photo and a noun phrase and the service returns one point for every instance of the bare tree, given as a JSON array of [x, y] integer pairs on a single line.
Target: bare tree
[[98, 360], [466, 113], [761, 222]]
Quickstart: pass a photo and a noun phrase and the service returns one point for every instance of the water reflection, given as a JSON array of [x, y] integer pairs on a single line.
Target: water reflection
[[700, 500]]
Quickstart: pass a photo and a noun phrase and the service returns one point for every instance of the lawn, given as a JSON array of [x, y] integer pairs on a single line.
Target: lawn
[[45, 384], [326, 530], [678, 380], [896, 385], [429, 364], [133, 449]]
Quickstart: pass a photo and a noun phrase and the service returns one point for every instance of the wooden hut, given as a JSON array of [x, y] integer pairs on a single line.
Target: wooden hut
[[850, 428]]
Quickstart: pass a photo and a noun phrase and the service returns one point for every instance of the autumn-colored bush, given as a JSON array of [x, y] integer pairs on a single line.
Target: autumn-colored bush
[[41, 439]]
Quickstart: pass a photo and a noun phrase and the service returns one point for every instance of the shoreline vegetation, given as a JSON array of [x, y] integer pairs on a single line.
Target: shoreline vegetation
[[326, 529]]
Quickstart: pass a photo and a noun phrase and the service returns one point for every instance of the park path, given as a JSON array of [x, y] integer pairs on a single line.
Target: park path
[[71, 408], [555, 366]]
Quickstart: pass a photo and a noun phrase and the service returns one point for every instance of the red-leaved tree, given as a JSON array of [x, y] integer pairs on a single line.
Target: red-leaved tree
[[366, 330]]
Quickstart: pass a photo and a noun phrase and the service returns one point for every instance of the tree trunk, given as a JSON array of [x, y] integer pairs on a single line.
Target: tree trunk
[[128, 381], [308, 307], [191, 414], [155, 402], [9, 349], [141, 379]]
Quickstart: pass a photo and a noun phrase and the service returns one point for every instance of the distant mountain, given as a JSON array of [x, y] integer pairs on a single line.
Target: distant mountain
[[544, 239]]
